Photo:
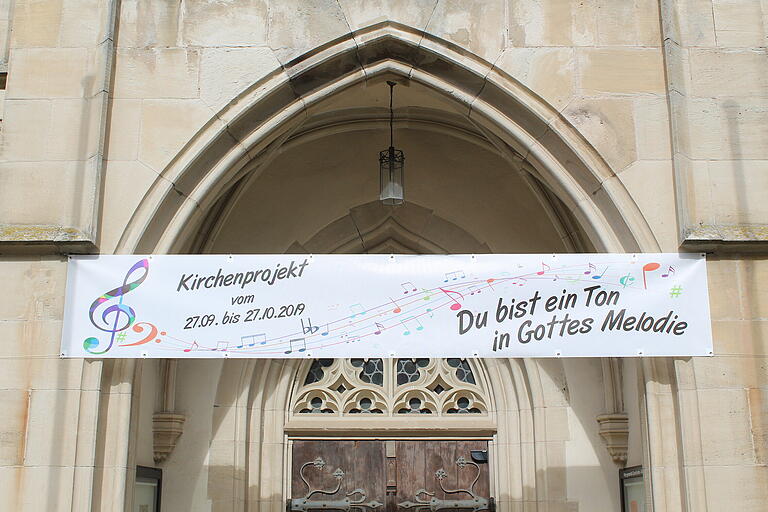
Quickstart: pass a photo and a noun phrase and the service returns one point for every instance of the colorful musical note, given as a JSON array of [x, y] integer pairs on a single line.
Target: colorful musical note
[[325, 331], [457, 305], [590, 269], [309, 328], [408, 287], [407, 332], [397, 306], [194, 346], [427, 294], [150, 337], [670, 271], [519, 281], [379, 328], [118, 310], [290, 345], [453, 276], [601, 275], [490, 283], [221, 346], [473, 289], [649, 267], [626, 280], [544, 268], [356, 309], [261, 339]]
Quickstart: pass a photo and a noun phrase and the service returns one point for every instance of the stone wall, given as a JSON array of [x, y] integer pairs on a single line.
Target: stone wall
[[103, 96]]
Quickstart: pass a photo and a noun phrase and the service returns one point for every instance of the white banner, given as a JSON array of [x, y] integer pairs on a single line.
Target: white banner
[[500, 305]]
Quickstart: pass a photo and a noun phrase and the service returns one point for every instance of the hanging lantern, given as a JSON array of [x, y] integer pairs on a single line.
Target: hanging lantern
[[391, 165]]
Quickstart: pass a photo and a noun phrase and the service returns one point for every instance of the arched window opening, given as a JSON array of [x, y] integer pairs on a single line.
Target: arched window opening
[[391, 387]]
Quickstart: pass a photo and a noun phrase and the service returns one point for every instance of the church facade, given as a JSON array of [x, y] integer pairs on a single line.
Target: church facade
[[255, 127]]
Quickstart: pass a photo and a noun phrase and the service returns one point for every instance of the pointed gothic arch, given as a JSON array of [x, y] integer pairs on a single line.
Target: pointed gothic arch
[[521, 125], [518, 123]]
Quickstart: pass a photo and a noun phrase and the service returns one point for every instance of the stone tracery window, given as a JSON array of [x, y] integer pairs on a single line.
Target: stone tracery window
[[350, 387]]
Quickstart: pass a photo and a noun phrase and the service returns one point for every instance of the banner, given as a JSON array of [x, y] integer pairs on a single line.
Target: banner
[[499, 305]]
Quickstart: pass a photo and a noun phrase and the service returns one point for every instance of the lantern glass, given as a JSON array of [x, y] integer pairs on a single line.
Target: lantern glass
[[391, 178]]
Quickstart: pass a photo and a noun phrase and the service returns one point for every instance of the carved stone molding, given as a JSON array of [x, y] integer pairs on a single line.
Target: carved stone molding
[[166, 429], [614, 429], [614, 425], [167, 425]]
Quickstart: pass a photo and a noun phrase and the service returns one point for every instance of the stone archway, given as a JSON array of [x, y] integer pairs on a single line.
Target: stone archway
[[517, 123]]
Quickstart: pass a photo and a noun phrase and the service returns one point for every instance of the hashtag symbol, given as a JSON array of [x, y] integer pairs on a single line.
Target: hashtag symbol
[[675, 291], [121, 337]]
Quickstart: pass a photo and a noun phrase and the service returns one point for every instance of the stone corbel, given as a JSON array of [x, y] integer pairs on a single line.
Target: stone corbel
[[167, 425], [614, 424]]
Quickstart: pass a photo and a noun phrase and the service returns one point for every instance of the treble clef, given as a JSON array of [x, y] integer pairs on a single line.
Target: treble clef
[[118, 309]]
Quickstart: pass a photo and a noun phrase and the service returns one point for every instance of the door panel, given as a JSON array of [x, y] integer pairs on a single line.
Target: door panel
[[394, 481], [360, 462]]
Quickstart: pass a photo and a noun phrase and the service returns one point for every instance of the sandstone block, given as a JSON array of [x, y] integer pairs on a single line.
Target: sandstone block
[[724, 423], [242, 23], [42, 283], [157, 73], [739, 23], [36, 24], [728, 128], [549, 72], [629, 23], [166, 126], [49, 193], [740, 337], [226, 72], [47, 73], [557, 427], [736, 487], [754, 271], [46, 488], [363, 13], [731, 372], [297, 26], [726, 304], [124, 129], [76, 124], [25, 130], [650, 182], [10, 482], [12, 426], [83, 23], [476, 26], [652, 128], [126, 184], [624, 71], [738, 191], [745, 72], [688, 22], [758, 410], [52, 442], [145, 23], [553, 23], [609, 125]]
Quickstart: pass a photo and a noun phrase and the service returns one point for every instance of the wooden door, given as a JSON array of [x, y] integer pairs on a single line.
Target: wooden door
[[390, 476]]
